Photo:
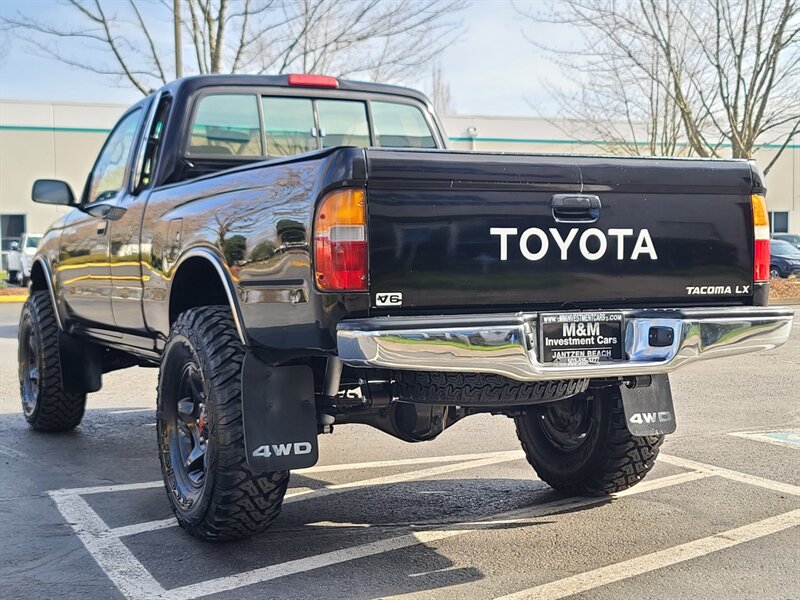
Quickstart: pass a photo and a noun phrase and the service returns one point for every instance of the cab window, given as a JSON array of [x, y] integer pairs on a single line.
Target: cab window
[[400, 126], [226, 125], [108, 175], [289, 125], [343, 123]]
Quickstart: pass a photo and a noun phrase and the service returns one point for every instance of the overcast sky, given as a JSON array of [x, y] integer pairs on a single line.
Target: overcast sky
[[491, 70]]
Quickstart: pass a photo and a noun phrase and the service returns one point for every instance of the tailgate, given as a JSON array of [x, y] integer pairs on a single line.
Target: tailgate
[[452, 231]]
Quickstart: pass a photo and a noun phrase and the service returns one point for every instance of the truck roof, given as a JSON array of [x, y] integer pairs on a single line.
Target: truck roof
[[190, 84]]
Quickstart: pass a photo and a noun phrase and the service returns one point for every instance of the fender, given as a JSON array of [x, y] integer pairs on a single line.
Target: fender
[[225, 278], [48, 276]]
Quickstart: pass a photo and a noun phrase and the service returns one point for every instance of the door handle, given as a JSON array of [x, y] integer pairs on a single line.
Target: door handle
[[575, 208], [102, 228]]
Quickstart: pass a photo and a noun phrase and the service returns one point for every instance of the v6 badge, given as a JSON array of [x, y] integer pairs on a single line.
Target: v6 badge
[[389, 299]]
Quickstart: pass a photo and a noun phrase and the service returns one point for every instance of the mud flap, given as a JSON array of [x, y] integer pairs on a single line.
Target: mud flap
[[279, 415], [648, 409]]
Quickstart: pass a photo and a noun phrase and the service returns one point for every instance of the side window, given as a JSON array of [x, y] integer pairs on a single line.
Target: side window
[[343, 123], [289, 124], [226, 125], [401, 126], [108, 175], [153, 143]]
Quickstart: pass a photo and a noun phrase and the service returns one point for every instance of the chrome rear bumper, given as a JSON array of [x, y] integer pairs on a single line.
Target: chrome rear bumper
[[506, 344]]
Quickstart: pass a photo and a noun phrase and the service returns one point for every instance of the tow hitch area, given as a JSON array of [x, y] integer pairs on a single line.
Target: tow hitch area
[[279, 415], [647, 402]]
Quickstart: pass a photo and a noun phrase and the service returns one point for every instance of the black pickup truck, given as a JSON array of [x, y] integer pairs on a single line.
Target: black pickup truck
[[296, 252]]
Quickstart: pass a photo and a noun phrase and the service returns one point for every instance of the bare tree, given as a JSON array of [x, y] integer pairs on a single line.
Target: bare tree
[[377, 39], [440, 92], [727, 70]]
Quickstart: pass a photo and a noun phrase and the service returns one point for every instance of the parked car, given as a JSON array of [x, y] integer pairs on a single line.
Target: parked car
[[785, 259], [20, 257], [792, 238], [298, 251]]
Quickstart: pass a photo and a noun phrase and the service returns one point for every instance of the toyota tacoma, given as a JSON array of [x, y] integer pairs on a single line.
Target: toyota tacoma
[[298, 252]]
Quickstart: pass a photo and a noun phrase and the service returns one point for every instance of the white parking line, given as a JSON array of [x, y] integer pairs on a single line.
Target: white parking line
[[497, 457], [126, 487], [775, 486], [406, 461], [590, 580], [522, 516], [118, 563], [302, 565], [130, 410], [134, 581], [298, 494]]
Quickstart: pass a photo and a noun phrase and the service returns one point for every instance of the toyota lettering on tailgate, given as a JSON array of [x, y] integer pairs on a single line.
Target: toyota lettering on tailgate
[[538, 247]]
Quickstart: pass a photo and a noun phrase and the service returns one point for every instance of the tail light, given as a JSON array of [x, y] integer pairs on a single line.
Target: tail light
[[340, 242], [761, 228]]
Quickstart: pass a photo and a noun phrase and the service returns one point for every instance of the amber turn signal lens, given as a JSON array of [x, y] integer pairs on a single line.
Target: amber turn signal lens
[[760, 215]]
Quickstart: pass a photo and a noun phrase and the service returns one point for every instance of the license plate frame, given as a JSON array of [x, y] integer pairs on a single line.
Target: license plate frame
[[581, 338]]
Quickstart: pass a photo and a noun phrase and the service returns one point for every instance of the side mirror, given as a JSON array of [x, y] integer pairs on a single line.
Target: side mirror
[[13, 246], [52, 191]]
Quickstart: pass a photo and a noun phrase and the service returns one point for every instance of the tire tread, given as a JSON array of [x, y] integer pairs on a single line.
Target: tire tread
[[56, 409], [479, 389], [622, 461]]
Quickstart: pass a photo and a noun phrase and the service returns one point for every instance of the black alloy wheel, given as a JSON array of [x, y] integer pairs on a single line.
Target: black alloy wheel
[[567, 424], [185, 424], [29, 366]]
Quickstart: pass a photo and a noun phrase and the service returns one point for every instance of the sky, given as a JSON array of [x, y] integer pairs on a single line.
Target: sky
[[492, 69]]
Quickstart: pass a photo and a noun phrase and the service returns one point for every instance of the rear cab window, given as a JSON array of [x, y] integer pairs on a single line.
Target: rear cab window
[[343, 123], [231, 127], [401, 126], [226, 125]]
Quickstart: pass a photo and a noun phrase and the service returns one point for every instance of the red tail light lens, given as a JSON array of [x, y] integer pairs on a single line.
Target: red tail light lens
[[320, 81], [761, 263], [761, 229], [340, 242]]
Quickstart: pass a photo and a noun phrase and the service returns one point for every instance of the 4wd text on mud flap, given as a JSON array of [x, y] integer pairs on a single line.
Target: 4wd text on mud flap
[[282, 449]]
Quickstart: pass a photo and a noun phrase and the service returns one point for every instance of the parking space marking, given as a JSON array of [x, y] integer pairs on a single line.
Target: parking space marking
[[130, 410], [405, 461], [302, 565], [497, 457], [528, 515], [788, 438], [119, 564], [125, 487], [590, 580], [770, 484], [107, 489], [297, 494], [134, 581], [523, 516], [105, 544]]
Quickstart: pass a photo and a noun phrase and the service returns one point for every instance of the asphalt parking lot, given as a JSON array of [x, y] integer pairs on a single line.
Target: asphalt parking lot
[[83, 515]]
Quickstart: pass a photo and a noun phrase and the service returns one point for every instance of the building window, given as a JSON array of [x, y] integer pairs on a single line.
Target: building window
[[779, 222], [11, 229]]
